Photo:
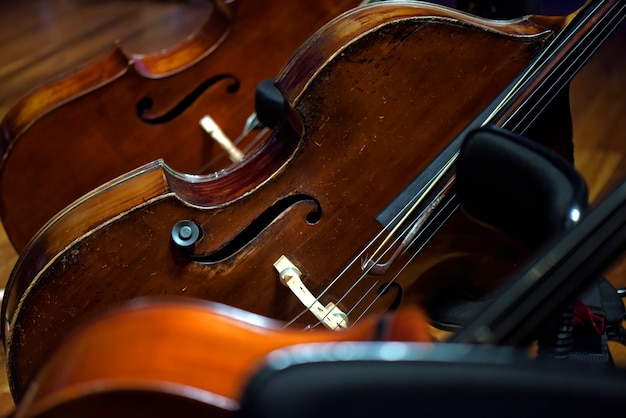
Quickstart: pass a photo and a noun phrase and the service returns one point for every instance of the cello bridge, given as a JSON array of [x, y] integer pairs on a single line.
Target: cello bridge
[[212, 128], [290, 276]]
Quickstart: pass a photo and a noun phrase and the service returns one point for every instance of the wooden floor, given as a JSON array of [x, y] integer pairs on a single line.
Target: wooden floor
[[40, 39]]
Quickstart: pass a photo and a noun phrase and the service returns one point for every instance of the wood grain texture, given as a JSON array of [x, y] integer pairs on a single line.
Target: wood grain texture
[[136, 351], [41, 39], [126, 109], [357, 148]]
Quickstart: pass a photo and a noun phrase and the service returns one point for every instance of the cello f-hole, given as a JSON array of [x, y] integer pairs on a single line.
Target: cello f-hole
[[249, 233], [145, 104], [384, 290]]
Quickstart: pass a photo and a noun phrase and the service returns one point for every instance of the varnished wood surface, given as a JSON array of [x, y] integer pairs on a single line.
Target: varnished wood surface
[[40, 39], [128, 109], [216, 357], [332, 172]]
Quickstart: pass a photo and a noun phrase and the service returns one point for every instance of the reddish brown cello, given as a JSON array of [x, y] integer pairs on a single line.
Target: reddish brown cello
[[313, 226], [178, 358], [125, 110]]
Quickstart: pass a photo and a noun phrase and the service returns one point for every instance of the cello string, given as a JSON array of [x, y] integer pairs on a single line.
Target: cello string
[[564, 70], [387, 244], [415, 200], [528, 75], [393, 280], [399, 220], [562, 38], [352, 263], [390, 282], [365, 271], [388, 285]]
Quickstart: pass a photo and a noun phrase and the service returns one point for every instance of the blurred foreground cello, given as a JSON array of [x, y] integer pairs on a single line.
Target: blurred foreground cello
[[125, 110], [314, 226], [187, 358]]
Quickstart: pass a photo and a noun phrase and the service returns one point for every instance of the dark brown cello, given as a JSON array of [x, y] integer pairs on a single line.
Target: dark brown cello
[[127, 109], [178, 358], [313, 227]]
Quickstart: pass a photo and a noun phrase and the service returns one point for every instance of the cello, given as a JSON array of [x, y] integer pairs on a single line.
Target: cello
[[130, 362], [126, 109], [330, 218]]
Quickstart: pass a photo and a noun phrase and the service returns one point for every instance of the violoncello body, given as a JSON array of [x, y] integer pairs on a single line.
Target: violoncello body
[[126, 109], [372, 98], [181, 357]]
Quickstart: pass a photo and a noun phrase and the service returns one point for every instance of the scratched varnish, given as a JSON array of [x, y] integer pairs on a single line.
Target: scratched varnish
[[40, 39]]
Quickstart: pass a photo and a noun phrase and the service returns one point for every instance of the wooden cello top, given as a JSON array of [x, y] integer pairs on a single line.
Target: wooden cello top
[[318, 182]]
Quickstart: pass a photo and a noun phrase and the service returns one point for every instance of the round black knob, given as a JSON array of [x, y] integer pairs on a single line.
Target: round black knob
[[185, 233]]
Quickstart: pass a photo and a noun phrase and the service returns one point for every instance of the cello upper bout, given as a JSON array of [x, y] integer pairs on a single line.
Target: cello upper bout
[[337, 35]]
